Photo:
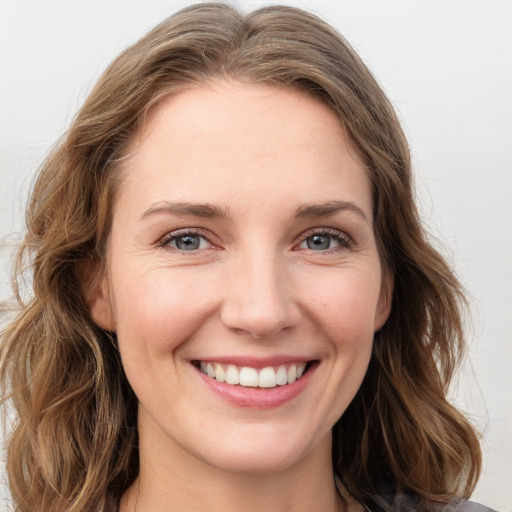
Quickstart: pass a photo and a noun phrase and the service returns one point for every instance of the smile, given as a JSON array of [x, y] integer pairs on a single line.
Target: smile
[[246, 376]]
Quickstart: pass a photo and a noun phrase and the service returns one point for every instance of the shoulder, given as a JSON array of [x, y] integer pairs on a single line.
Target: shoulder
[[467, 506], [412, 503], [393, 501]]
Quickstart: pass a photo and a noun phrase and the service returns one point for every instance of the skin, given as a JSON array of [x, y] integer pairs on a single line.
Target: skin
[[254, 288]]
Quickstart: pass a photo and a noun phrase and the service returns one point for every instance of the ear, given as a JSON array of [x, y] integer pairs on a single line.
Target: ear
[[384, 303], [96, 290]]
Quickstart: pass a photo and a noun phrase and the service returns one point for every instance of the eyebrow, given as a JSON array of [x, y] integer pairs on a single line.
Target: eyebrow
[[210, 211], [327, 209], [205, 210]]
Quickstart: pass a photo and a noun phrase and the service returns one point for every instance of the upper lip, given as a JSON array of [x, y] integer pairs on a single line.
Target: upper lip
[[257, 362]]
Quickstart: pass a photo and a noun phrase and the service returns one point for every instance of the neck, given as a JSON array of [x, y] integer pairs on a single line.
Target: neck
[[193, 486], [251, 495]]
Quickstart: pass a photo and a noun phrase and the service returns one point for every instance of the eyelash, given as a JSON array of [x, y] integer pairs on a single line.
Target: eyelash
[[338, 236], [170, 237], [342, 239]]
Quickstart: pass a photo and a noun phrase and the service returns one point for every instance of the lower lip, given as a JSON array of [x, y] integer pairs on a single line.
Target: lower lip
[[259, 398]]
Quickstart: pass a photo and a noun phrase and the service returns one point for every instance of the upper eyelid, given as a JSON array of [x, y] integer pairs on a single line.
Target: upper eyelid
[[344, 238], [323, 229], [326, 231], [171, 235], [329, 231]]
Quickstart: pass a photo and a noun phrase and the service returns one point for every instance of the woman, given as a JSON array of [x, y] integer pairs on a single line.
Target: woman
[[235, 306]]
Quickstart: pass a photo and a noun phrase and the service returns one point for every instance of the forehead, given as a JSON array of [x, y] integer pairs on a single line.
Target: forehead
[[228, 138], [254, 104]]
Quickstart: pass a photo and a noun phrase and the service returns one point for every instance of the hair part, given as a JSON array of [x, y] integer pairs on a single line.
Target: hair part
[[74, 446]]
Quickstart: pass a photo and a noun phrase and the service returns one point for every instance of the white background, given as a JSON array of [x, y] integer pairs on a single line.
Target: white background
[[446, 65]]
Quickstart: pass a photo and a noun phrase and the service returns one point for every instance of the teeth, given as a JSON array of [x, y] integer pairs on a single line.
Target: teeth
[[232, 375], [282, 376], [248, 377], [268, 377], [292, 374], [220, 375]]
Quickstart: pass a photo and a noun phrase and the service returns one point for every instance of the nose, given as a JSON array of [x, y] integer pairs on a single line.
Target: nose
[[259, 298]]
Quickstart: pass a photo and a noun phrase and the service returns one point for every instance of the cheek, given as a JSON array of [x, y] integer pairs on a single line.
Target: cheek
[[156, 309], [344, 304]]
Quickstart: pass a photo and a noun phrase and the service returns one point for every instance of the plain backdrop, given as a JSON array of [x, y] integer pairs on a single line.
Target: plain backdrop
[[445, 64]]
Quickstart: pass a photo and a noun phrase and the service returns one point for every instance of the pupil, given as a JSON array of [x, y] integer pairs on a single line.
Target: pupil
[[187, 242], [318, 242]]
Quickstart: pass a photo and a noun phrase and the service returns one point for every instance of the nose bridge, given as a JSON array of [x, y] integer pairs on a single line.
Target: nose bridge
[[259, 299]]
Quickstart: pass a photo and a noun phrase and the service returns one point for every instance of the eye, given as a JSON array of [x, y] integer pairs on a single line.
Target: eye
[[186, 240], [324, 240]]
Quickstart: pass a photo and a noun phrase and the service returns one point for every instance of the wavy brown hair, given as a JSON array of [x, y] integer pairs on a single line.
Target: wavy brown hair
[[73, 445]]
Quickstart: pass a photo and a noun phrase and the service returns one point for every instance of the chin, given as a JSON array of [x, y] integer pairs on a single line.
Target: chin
[[265, 452]]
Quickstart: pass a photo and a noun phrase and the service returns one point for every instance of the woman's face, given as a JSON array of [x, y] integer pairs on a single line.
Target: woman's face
[[242, 255]]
